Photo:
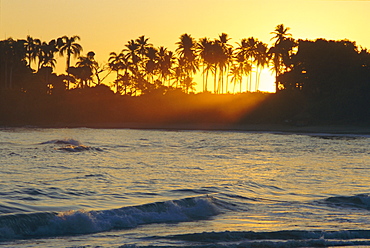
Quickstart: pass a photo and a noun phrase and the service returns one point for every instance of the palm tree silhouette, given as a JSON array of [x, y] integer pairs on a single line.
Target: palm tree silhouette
[[143, 46], [280, 51], [165, 63], [187, 55], [68, 46], [46, 53], [32, 49], [281, 33], [236, 75], [151, 63], [224, 58], [246, 53], [204, 49], [13, 56], [115, 62], [131, 54], [262, 59]]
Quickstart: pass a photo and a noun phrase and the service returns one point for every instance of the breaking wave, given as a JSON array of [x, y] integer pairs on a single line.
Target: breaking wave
[[46, 224], [71, 145], [62, 142]]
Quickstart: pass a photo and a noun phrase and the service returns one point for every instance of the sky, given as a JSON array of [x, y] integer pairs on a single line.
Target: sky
[[106, 26]]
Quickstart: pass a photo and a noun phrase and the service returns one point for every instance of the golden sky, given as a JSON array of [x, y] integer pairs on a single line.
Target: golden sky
[[106, 25]]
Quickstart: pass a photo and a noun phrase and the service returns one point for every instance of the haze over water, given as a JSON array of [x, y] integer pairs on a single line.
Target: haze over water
[[110, 188]]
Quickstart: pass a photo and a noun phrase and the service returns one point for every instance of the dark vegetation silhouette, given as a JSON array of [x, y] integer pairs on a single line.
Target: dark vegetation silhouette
[[317, 82]]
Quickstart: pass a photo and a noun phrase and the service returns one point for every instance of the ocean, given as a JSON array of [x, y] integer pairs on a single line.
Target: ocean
[[82, 187]]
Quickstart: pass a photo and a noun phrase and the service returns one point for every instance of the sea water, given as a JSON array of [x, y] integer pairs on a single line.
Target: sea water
[[80, 187]]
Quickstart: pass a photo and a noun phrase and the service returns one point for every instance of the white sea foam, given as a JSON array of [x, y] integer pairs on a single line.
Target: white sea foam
[[81, 222]]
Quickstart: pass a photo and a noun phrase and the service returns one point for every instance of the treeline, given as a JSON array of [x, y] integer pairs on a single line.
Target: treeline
[[333, 77], [315, 80], [140, 68]]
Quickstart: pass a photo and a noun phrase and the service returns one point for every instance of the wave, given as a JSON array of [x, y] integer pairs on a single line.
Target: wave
[[289, 238], [361, 201], [80, 148], [47, 224], [62, 142], [71, 145]]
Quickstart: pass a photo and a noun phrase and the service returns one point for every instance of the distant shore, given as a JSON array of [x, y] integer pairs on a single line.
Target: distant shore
[[331, 129], [284, 128]]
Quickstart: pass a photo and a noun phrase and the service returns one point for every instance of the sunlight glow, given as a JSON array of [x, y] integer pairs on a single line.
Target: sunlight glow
[[267, 83]]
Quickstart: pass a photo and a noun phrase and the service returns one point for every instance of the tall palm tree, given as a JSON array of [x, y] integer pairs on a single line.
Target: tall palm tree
[[281, 33], [204, 50], [280, 51], [246, 53], [32, 49], [224, 57], [187, 54], [212, 58], [262, 59], [68, 46]]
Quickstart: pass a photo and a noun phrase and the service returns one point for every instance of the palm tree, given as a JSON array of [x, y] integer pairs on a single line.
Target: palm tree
[[187, 55], [151, 63], [13, 57], [143, 46], [262, 59], [118, 62], [281, 33], [115, 62], [212, 57], [280, 52], [89, 63], [68, 46], [246, 53], [46, 54], [224, 57], [203, 48], [131, 54], [188, 84], [32, 49], [236, 75], [165, 64]]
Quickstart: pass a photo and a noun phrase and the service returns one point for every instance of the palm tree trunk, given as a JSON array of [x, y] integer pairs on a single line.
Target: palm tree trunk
[[214, 83], [227, 79], [206, 89], [276, 81], [259, 80]]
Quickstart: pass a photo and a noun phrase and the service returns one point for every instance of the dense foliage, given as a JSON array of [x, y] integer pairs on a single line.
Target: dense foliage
[[316, 81]]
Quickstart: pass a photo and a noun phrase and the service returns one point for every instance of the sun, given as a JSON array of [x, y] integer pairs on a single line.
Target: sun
[[267, 81]]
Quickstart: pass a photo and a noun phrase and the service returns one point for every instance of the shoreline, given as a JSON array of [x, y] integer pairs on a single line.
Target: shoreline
[[329, 129], [335, 129]]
